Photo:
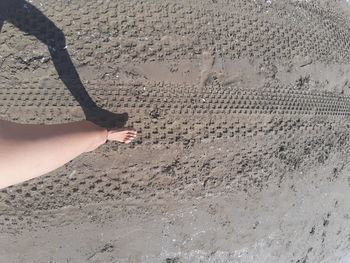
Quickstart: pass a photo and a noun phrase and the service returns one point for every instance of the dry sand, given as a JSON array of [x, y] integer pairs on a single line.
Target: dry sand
[[242, 109]]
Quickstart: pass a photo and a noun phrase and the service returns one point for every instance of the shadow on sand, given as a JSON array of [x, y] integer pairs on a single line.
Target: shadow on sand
[[30, 20]]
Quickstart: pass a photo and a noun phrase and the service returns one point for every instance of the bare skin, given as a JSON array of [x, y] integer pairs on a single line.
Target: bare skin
[[30, 150]]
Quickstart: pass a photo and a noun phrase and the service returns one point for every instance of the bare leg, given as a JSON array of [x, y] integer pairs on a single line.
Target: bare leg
[[29, 150]]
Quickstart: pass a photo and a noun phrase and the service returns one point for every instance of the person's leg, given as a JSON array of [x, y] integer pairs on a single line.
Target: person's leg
[[28, 150]]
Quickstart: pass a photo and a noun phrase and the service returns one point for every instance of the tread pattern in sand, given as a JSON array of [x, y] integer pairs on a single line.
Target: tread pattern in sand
[[193, 139]]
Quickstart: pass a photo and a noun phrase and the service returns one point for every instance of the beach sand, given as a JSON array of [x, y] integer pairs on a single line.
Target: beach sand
[[242, 111]]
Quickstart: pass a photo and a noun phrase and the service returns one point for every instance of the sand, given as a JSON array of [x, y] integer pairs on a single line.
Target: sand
[[242, 110]]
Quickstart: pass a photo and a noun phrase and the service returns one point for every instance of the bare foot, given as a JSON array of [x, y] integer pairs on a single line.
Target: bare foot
[[121, 135]]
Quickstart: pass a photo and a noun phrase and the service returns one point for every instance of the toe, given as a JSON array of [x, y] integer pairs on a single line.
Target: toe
[[129, 139]]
